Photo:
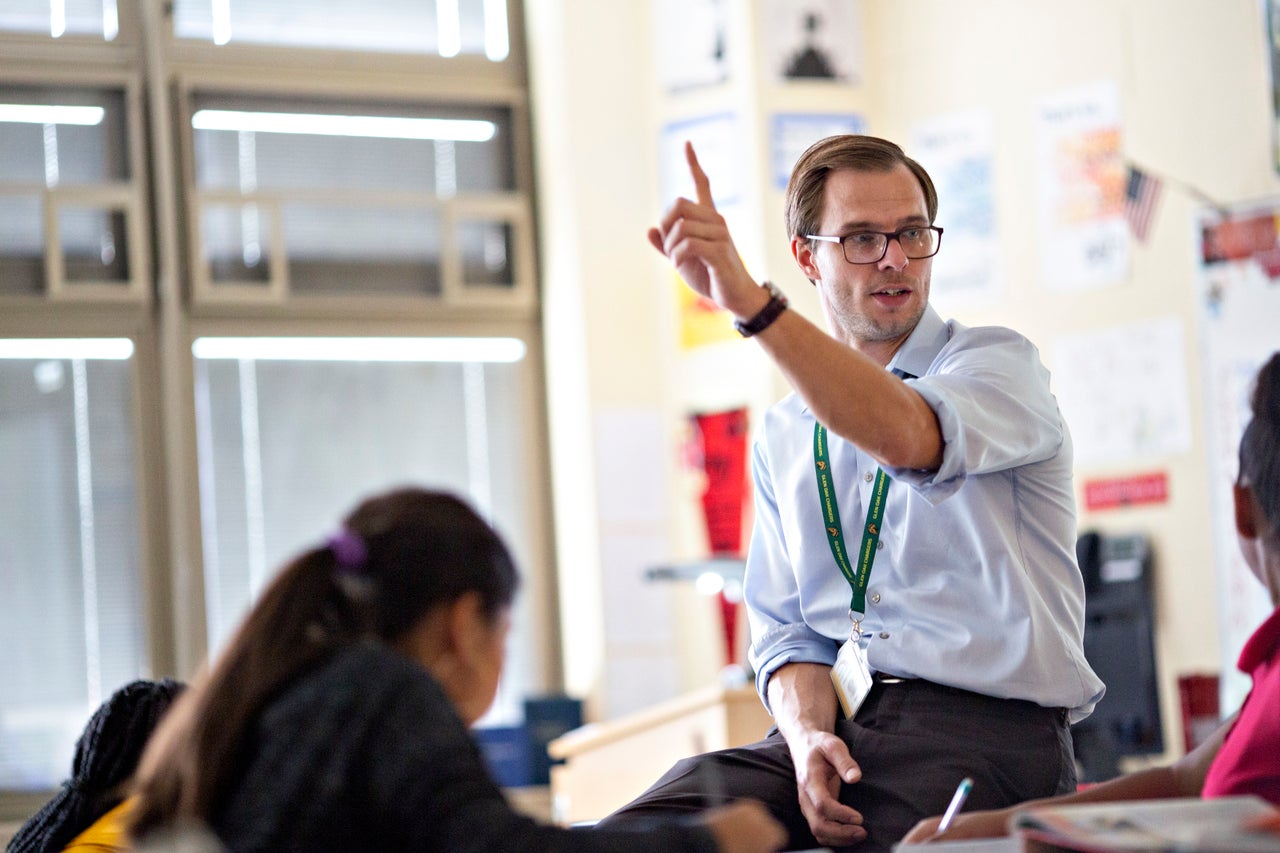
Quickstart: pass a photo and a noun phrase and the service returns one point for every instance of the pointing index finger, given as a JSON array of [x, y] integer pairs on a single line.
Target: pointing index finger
[[701, 184]]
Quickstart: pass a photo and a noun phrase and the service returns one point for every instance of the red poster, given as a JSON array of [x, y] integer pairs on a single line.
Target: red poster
[[1115, 492], [722, 440]]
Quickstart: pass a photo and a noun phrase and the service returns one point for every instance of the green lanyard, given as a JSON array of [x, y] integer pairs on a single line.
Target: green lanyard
[[835, 535]]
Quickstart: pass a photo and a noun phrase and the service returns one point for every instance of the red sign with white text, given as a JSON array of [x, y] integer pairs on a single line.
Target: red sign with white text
[[1126, 491]]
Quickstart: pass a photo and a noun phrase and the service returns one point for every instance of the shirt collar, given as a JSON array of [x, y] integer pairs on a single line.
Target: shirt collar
[[1262, 645], [922, 346], [919, 349]]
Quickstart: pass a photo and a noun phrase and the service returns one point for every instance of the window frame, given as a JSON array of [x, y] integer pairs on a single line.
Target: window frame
[[130, 195]]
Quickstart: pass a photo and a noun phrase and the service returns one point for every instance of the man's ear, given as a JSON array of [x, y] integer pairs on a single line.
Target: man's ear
[[802, 251], [1246, 509]]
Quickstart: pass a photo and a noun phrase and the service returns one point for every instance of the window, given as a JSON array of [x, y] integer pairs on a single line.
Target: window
[[71, 210], [446, 28], [161, 459], [70, 565], [324, 197], [292, 430], [57, 18]]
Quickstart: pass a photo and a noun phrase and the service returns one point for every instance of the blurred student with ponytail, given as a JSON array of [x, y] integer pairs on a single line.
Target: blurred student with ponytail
[[1243, 755], [337, 717]]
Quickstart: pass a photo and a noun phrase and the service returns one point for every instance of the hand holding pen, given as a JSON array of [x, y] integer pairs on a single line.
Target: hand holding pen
[[957, 803]]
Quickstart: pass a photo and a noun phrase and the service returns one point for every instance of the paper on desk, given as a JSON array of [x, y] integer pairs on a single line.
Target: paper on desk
[[973, 845], [1186, 825]]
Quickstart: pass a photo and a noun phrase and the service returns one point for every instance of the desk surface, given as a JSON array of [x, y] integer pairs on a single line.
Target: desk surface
[[594, 735]]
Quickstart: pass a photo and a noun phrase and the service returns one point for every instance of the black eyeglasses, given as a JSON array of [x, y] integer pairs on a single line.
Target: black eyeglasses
[[868, 247]]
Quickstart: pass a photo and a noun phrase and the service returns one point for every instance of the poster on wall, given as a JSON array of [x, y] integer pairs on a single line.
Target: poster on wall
[[813, 40], [717, 140], [718, 143], [1084, 237], [691, 43], [701, 321], [1238, 285], [1123, 392], [791, 133], [957, 152]]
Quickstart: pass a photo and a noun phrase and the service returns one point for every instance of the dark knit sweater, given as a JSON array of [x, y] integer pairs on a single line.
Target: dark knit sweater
[[367, 753]]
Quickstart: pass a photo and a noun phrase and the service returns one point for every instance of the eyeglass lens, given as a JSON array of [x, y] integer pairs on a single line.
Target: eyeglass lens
[[870, 246]]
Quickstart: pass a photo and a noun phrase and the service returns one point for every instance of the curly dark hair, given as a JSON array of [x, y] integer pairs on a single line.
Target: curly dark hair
[[1260, 445]]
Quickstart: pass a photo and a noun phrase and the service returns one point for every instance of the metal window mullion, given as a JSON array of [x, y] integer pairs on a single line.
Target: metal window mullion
[[88, 547], [251, 454]]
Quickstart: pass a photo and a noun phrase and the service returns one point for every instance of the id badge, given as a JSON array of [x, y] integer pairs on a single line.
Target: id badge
[[851, 676]]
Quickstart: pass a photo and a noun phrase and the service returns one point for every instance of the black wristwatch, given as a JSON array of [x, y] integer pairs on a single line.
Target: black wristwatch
[[765, 316]]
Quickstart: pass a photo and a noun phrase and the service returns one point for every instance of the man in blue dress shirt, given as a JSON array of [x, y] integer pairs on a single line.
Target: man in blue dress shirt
[[915, 605]]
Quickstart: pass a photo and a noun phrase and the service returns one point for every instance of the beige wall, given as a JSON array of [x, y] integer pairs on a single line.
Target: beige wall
[[1195, 104]]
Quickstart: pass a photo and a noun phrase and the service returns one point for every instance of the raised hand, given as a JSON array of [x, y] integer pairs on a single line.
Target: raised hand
[[694, 236]]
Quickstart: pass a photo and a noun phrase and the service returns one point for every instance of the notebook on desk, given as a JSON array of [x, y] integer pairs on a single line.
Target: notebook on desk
[[1184, 825]]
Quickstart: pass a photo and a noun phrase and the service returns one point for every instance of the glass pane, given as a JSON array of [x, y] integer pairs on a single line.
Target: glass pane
[[287, 445], [236, 243], [57, 18], [94, 246], [57, 137], [333, 146], [21, 245], [381, 233], [444, 27], [488, 253], [370, 250], [70, 559]]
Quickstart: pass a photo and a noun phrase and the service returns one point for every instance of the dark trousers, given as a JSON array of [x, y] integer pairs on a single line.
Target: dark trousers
[[914, 741]]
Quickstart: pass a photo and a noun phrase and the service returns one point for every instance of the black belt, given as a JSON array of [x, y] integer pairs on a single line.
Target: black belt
[[888, 678]]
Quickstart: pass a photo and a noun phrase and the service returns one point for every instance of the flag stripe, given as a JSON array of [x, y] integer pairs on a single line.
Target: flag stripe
[[1141, 194]]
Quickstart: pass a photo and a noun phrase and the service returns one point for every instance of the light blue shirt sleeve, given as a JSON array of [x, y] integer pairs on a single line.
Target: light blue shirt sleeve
[[993, 407], [779, 632]]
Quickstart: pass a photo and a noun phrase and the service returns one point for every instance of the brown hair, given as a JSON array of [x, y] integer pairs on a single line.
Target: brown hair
[[1260, 444], [414, 550], [805, 190]]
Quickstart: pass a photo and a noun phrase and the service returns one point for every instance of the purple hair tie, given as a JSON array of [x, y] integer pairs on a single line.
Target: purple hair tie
[[349, 551]]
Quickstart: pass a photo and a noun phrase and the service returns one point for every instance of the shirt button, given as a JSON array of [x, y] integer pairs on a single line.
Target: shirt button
[[875, 599], [867, 477], [884, 635], [879, 546]]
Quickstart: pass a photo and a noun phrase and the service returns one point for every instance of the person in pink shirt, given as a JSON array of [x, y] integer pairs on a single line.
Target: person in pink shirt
[[1243, 755]]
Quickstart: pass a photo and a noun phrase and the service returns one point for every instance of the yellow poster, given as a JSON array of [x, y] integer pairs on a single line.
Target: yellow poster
[[702, 322]]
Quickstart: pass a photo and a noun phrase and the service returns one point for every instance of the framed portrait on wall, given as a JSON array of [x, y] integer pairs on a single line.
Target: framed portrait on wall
[[691, 43]]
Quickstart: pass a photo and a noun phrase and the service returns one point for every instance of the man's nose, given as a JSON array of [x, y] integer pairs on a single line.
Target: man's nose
[[894, 257]]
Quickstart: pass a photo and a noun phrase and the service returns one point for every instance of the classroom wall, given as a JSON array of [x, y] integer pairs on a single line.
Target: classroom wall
[[1195, 106], [1195, 102]]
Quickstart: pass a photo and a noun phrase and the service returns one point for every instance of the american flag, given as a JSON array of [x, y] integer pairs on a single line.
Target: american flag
[[1140, 197]]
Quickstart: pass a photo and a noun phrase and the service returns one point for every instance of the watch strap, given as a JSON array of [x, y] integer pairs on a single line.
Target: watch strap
[[765, 316]]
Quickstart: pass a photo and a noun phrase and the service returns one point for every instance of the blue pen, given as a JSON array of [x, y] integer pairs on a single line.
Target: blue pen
[[957, 802]]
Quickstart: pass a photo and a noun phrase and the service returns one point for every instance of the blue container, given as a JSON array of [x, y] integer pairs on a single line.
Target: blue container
[[506, 751], [545, 719]]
